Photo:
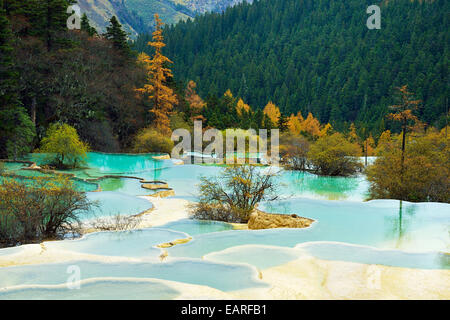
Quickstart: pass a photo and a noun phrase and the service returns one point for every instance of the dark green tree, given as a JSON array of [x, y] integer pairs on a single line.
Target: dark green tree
[[86, 27], [115, 33], [16, 128], [319, 57], [283, 122]]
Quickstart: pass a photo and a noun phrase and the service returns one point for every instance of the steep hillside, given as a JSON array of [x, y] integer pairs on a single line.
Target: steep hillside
[[320, 57], [137, 15], [100, 11]]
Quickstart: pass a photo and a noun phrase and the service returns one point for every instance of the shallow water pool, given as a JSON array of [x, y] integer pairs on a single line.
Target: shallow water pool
[[109, 204], [380, 224], [111, 289], [135, 243], [226, 277]]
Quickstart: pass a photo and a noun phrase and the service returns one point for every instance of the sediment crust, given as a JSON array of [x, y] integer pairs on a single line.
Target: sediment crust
[[262, 220]]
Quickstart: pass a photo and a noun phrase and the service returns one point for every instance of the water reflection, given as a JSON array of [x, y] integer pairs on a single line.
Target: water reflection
[[328, 188], [401, 223]]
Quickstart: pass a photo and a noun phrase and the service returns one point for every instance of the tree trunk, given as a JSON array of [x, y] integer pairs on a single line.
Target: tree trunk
[[365, 151], [403, 155], [33, 111]]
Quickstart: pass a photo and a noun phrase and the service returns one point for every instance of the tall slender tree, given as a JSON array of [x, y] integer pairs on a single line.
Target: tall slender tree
[[162, 97], [86, 26], [16, 128], [403, 113], [115, 33]]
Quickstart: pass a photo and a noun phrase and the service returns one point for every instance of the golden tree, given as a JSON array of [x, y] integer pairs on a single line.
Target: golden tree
[[403, 112], [352, 135], [196, 103], [158, 92], [326, 130], [241, 107], [273, 112], [311, 126], [294, 123]]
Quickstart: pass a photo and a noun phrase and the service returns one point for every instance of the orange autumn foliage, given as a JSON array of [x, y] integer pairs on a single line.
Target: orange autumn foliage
[[311, 126], [294, 123], [162, 96], [242, 106], [273, 112], [195, 102]]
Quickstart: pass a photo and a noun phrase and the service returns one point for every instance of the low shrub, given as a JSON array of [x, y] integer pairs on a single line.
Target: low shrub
[[43, 208], [150, 140], [335, 156]]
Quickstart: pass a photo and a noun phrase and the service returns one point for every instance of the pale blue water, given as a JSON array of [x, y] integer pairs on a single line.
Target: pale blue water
[[263, 256], [369, 255], [107, 289], [260, 256], [377, 223], [195, 227], [135, 244], [110, 203], [346, 229], [226, 277]]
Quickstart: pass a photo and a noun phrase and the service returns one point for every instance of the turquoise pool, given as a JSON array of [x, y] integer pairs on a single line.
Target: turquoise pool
[[101, 164], [380, 224], [110, 203], [386, 232]]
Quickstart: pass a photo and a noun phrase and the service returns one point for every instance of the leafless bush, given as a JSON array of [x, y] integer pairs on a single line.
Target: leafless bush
[[41, 208], [233, 194], [117, 223]]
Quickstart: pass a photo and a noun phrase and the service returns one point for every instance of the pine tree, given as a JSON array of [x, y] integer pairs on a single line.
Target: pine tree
[[403, 112], [158, 92], [16, 128], [115, 33], [86, 27], [52, 18], [283, 122]]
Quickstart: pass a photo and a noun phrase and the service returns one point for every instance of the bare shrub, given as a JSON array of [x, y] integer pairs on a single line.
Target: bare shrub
[[117, 223], [39, 208], [233, 194]]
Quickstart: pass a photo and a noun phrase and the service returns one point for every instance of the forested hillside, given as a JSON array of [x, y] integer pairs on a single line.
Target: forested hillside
[[319, 57], [51, 74]]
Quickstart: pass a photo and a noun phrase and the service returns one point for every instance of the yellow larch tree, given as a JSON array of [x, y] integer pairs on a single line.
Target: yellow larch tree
[[384, 139], [326, 130], [352, 135], [162, 96], [242, 106], [369, 146], [311, 126], [228, 94], [196, 103], [294, 124], [273, 112]]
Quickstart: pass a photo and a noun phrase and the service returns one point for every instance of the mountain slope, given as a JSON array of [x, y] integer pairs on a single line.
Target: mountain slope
[[319, 56], [137, 15], [100, 11]]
